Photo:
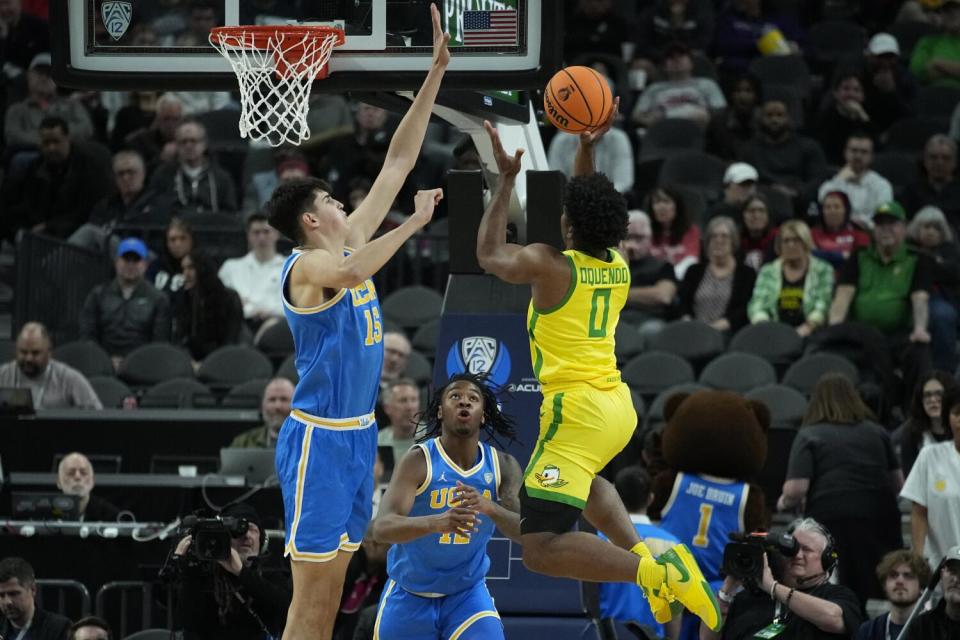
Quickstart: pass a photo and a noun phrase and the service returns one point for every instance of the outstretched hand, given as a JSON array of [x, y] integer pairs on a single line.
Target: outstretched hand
[[424, 204], [592, 137], [441, 54], [508, 166]]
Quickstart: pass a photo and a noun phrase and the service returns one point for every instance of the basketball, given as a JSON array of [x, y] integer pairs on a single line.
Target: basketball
[[577, 99]]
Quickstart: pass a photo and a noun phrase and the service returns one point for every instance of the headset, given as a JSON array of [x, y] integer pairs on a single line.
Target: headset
[[829, 557]]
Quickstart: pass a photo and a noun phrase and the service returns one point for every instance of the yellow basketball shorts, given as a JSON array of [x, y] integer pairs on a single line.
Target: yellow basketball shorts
[[581, 430]]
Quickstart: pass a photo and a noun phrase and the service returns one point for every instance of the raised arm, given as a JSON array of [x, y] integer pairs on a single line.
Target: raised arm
[[393, 525], [510, 262], [583, 163], [318, 269], [404, 147], [506, 513]]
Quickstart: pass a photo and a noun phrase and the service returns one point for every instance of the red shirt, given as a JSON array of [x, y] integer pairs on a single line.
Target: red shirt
[[842, 242], [675, 253]]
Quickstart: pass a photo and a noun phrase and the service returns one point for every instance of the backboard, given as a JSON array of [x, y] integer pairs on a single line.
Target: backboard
[[162, 44]]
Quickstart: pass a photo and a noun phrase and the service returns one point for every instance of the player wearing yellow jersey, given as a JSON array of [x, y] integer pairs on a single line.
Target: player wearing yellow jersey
[[587, 415]]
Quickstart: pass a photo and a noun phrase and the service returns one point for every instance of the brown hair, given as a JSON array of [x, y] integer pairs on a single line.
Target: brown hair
[[837, 401], [916, 563]]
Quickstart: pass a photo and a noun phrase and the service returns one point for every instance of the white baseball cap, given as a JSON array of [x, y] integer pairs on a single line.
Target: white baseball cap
[[882, 43], [740, 172]]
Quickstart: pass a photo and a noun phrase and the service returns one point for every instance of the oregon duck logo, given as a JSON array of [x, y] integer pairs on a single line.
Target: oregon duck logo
[[550, 477]]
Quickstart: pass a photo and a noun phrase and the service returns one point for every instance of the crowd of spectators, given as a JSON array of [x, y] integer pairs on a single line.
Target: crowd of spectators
[[829, 211]]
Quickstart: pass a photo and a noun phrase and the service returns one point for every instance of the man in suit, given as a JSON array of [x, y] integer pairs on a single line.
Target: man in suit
[[21, 617]]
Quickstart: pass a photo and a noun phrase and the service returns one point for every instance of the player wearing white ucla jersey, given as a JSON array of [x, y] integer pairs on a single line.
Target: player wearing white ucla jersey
[[439, 512], [327, 446]]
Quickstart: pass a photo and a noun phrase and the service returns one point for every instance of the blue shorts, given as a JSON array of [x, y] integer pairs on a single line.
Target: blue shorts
[[468, 615], [326, 477]]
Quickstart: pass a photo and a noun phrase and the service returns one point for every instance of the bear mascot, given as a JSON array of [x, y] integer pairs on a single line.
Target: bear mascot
[[714, 443]]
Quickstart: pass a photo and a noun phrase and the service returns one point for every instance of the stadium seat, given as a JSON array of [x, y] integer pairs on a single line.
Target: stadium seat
[[703, 66], [829, 41], [655, 412], [419, 368], [779, 204], [804, 373], [275, 340], [937, 102], [288, 369], [413, 306], [111, 391], [695, 341], [525, 628], [908, 33], [695, 202], [149, 634], [787, 405], [911, 134], [85, 356], [178, 393], [651, 372], [668, 136], [696, 169], [246, 395], [897, 167], [628, 341], [783, 70], [638, 405], [233, 364], [155, 362], [775, 342], [739, 372], [425, 338]]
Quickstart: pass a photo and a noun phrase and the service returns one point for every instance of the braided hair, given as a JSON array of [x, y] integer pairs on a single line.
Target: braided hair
[[495, 422]]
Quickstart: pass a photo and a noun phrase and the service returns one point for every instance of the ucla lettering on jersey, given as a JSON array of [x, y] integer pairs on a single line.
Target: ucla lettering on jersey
[[444, 564], [339, 347], [573, 342], [702, 512]]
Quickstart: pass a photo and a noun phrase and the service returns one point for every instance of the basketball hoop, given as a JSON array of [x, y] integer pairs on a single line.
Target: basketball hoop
[[276, 67]]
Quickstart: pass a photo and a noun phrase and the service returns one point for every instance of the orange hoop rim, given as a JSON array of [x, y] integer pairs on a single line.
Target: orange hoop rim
[[261, 34]]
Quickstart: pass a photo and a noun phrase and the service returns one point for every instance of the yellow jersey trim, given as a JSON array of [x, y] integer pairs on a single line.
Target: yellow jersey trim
[[383, 605], [496, 470], [336, 424], [426, 456], [458, 468], [469, 621], [305, 310]]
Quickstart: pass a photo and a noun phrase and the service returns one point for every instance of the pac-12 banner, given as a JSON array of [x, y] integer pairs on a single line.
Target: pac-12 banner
[[496, 345]]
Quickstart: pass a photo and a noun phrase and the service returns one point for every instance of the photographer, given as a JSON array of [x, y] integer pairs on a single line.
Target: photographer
[[230, 598], [800, 604]]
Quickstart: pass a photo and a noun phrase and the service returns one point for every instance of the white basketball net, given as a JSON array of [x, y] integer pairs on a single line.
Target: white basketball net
[[274, 83]]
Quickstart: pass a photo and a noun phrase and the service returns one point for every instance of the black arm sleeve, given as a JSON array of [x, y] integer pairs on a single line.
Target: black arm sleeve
[[850, 271]]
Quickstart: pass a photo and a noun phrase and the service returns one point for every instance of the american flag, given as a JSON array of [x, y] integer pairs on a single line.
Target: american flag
[[485, 28]]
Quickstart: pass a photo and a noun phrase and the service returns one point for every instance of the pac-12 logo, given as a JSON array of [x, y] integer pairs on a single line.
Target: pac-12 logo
[[480, 355], [116, 17]]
